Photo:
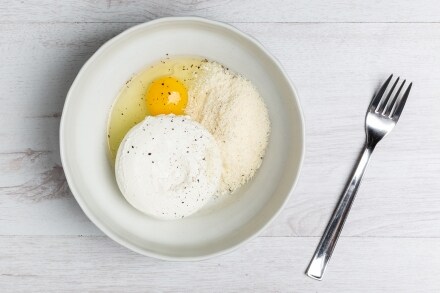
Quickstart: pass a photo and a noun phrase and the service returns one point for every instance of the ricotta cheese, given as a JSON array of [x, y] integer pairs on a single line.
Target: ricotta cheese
[[168, 166]]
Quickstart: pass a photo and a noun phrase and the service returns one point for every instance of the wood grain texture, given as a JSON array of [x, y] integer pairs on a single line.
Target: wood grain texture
[[266, 264], [336, 52], [398, 197], [223, 10]]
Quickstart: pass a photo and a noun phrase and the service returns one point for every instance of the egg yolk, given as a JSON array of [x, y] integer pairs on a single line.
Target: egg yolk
[[166, 95]]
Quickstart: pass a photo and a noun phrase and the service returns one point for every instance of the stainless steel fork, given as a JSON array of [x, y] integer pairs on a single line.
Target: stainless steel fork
[[382, 116]]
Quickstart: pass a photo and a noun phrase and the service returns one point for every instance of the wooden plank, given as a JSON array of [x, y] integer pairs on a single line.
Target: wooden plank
[[336, 68], [230, 11], [266, 264], [336, 52]]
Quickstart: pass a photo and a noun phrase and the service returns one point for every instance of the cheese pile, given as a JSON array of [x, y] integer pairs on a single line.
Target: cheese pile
[[231, 109]]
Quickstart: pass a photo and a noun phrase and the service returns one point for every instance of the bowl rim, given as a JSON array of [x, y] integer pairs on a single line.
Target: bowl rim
[[69, 176]]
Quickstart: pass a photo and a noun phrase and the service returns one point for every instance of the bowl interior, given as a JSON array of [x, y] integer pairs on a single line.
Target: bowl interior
[[84, 148]]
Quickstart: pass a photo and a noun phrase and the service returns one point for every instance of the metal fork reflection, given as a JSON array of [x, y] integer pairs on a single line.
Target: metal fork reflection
[[382, 115]]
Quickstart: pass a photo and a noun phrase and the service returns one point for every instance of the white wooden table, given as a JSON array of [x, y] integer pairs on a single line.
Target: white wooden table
[[336, 52]]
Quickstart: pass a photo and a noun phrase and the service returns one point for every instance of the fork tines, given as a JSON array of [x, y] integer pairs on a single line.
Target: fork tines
[[389, 102]]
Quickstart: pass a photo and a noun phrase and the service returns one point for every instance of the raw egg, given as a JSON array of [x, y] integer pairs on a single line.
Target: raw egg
[[166, 95], [161, 88]]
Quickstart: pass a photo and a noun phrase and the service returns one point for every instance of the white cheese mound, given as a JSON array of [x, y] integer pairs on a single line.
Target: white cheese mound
[[168, 166], [230, 107]]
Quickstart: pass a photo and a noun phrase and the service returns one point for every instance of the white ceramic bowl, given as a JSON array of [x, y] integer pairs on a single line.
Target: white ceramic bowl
[[84, 147]]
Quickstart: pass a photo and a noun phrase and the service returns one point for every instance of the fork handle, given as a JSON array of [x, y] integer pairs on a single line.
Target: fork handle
[[328, 241]]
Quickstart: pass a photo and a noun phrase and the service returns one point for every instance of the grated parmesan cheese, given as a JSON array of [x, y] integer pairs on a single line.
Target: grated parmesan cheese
[[230, 107]]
